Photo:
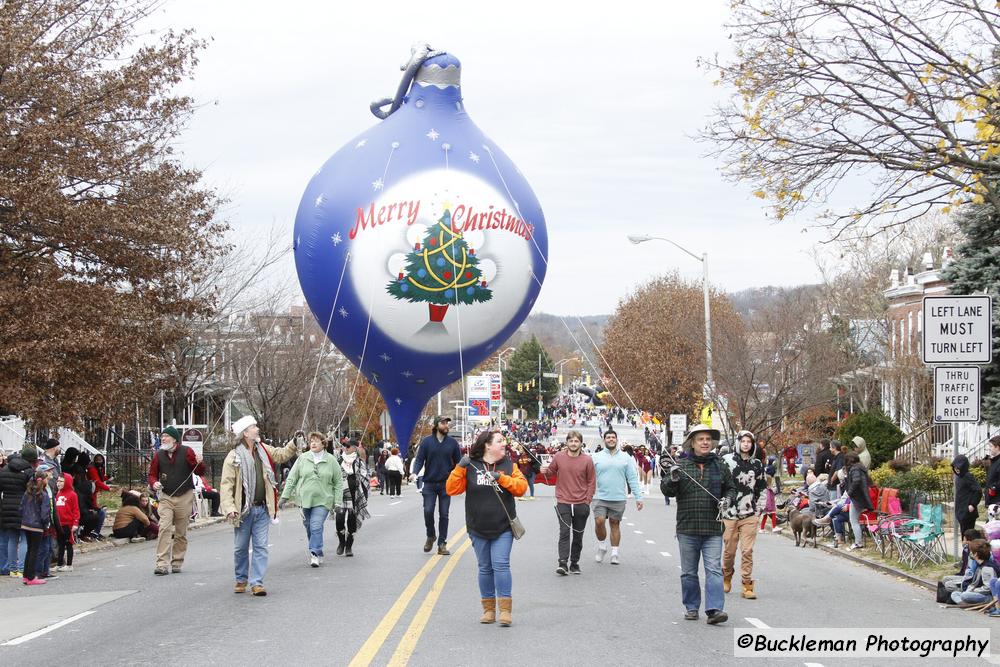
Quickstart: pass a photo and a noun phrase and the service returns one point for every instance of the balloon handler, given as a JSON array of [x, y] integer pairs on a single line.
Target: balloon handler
[[704, 489]]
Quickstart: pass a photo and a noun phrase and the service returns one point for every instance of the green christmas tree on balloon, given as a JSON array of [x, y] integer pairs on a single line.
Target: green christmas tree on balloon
[[441, 271]]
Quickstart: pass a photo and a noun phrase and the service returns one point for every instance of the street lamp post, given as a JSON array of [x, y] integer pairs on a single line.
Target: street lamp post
[[500, 370], [559, 365], [642, 238]]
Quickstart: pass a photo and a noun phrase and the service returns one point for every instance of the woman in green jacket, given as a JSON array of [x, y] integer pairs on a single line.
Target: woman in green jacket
[[315, 484]]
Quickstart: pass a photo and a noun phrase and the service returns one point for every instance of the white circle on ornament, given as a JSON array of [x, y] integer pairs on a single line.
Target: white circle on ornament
[[420, 201]]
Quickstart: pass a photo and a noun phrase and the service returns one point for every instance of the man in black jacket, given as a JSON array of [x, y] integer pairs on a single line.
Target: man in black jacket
[[13, 482], [993, 477], [438, 454]]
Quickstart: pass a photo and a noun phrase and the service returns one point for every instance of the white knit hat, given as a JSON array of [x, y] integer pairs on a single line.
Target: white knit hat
[[242, 424]]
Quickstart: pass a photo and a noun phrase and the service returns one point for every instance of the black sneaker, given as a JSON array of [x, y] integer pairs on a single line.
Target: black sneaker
[[715, 617], [691, 615], [562, 569], [574, 568]]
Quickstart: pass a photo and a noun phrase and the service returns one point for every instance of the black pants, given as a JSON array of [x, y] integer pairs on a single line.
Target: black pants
[[395, 480], [214, 500], [968, 523], [65, 546], [31, 558], [133, 529], [572, 523], [346, 519]]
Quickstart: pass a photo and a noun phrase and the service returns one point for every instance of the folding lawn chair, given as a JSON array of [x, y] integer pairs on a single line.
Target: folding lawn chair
[[925, 542]]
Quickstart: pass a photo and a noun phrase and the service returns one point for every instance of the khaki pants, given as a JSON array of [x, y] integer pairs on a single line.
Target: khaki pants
[[175, 514], [744, 533]]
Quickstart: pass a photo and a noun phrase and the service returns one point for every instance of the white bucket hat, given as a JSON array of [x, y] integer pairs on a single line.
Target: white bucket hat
[[242, 424]]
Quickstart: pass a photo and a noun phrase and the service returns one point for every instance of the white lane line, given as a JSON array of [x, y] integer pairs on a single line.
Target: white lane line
[[665, 554], [630, 524], [650, 542], [49, 628], [812, 664], [757, 623], [395, 503], [637, 532]]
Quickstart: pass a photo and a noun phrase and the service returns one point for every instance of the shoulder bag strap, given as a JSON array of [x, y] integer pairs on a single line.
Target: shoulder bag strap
[[496, 490]]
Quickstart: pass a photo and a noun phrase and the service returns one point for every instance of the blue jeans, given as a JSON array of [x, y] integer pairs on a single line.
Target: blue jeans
[[709, 549], [253, 527], [312, 519], [969, 597], [8, 551], [531, 483], [435, 491], [493, 556]]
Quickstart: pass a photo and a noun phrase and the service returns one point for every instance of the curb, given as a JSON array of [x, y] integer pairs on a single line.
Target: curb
[[884, 569], [115, 542]]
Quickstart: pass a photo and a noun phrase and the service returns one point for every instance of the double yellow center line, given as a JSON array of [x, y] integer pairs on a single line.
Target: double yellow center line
[[404, 650]]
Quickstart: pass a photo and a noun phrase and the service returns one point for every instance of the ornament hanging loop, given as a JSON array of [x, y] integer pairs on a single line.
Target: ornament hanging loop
[[419, 53]]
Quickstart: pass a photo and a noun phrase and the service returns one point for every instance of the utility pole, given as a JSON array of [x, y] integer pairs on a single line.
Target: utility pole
[[539, 386]]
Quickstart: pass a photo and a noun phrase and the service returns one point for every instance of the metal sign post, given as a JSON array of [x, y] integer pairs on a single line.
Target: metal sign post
[[957, 330]]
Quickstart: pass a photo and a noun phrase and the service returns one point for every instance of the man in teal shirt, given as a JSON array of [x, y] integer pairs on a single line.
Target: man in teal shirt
[[616, 476]]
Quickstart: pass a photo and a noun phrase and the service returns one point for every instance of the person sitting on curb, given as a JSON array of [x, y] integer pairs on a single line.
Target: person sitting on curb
[[978, 588], [130, 522]]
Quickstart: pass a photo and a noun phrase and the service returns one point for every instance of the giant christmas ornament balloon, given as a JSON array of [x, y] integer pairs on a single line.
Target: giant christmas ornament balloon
[[419, 245]]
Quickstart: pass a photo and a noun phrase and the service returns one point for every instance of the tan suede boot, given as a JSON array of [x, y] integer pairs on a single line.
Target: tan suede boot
[[489, 611], [505, 605], [727, 582], [748, 592]]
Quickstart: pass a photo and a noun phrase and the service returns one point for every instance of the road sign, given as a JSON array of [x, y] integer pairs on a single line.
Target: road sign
[[956, 394], [550, 375], [957, 329], [677, 437], [678, 423]]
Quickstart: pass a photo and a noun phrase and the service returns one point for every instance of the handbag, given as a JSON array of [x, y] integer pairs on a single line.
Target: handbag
[[516, 527]]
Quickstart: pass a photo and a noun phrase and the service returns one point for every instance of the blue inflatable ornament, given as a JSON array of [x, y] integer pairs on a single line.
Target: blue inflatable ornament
[[419, 246]]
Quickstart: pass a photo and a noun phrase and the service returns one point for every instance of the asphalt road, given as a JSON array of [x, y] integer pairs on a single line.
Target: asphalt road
[[393, 604]]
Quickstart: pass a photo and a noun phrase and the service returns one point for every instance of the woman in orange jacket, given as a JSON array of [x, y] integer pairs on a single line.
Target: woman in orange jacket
[[490, 481]]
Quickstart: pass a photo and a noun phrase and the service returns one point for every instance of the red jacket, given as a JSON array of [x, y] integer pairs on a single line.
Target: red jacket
[[67, 504]]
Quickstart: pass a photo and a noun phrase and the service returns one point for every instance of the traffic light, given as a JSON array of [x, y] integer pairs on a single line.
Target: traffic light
[[520, 387]]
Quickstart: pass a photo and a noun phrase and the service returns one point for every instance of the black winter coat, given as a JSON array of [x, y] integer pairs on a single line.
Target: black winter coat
[[857, 485], [823, 460], [13, 482], [992, 490], [967, 489]]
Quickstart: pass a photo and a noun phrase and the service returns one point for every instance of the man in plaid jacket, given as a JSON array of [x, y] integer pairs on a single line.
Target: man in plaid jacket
[[704, 488]]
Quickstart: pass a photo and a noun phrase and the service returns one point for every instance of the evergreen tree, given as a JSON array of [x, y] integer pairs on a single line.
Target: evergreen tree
[[976, 269], [522, 370]]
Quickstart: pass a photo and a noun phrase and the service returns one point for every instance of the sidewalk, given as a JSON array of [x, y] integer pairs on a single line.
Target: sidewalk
[[860, 556]]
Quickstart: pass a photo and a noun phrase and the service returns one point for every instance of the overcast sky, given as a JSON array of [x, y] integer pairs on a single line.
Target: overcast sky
[[596, 106]]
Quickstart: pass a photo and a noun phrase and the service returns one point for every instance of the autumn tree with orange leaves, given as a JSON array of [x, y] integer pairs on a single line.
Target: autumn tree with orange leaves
[[655, 344], [103, 231]]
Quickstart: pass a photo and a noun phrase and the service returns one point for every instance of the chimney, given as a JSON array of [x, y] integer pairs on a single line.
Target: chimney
[[928, 261], [909, 276], [894, 278]]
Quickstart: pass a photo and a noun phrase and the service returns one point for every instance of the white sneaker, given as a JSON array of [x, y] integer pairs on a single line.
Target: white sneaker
[[320, 560], [65, 568], [314, 561], [601, 550], [614, 559]]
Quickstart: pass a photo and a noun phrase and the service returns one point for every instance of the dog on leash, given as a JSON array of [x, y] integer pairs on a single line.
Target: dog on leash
[[802, 527]]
